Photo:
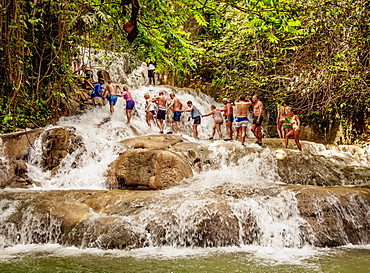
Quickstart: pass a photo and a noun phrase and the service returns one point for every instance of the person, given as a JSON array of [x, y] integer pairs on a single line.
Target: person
[[229, 117], [89, 75], [130, 104], [195, 115], [242, 104], [257, 119], [217, 116], [295, 122], [96, 95], [149, 109], [280, 120], [151, 74], [77, 61], [175, 106], [161, 102], [111, 91], [286, 116]]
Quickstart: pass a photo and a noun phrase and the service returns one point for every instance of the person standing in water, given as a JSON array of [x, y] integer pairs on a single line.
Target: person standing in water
[[295, 122], [161, 102], [112, 92], [257, 119], [280, 120], [151, 73], [97, 94], [217, 116], [242, 104], [130, 104], [149, 109], [229, 117], [175, 106], [195, 115]]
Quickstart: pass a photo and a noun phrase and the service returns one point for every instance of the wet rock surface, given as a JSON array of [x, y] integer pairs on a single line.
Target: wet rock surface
[[133, 219]]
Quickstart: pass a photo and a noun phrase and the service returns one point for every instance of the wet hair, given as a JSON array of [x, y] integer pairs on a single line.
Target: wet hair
[[293, 111], [242, 97], [212, 106], [189, 102], [173, 94], [146, 95], [161, 93], [125, 88]]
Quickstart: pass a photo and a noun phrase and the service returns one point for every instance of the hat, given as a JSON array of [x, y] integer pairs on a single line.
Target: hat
[[225, 99]]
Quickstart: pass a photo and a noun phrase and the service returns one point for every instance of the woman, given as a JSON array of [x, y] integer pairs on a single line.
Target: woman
[[129, 103], [195, 115], [295, 123], [217, 116], [149, 109]]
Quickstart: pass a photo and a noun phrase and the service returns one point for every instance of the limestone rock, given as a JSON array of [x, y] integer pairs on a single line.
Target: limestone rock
[[152, 169], [57, 143], [157, 142], [197, 154]]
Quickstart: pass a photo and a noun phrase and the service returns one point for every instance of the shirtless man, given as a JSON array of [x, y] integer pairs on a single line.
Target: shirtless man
[[229, 117], [175, 106], [241, 119], [257, 119], [161, 102], [112, 90]]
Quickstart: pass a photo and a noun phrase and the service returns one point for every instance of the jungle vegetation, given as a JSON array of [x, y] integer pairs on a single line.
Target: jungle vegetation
[[313, 54]]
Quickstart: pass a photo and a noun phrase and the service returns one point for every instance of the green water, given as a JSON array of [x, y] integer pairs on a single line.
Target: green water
[[334, 260]]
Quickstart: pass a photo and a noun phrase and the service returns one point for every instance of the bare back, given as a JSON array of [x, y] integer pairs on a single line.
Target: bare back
[[112, 89], [228, 111], [242, 108], [176, 105], [161, 101]]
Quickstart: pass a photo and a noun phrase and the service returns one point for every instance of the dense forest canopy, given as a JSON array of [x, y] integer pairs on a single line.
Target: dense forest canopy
[[313, 54]]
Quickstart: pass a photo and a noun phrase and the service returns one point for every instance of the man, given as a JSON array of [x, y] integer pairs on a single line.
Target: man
[[229, 117], [241, 119], [112, 91], [161, 102], [151, 74], [195, 115], [175, 106], [96, 95], [257, 119]]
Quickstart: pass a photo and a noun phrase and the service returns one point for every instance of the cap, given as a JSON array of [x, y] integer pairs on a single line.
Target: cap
[[225, 99]]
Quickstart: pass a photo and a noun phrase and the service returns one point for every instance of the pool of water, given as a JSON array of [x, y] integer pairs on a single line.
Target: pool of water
[[54, 258]]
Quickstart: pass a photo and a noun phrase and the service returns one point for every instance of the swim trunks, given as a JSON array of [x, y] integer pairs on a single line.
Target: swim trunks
[[112, 99], [230, 118], [151, 73], [130, 105], [152, 111], [255, 120], [161, 113], [177, 115], [241, 121], [197, 120]]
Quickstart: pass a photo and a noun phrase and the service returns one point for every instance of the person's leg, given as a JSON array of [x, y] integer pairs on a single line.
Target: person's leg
[[229, 129], [253, 129], [237, 132], [160, 124], [128, 114], [213, 130], [243, 133], [171, 125], [178, 126], [111, 108], [296, 138], [279, 128], [287, 136], [149, 116], [195, 130], [259, 134], [218, 128]]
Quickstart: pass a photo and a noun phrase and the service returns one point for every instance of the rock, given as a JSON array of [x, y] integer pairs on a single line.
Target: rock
[[197, 154], [152, 169], [157, 142], [57, 143]]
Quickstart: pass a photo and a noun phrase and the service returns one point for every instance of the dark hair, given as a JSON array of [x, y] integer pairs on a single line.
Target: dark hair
[[189, 102], [242, 97], [213, 106], [293, 111]]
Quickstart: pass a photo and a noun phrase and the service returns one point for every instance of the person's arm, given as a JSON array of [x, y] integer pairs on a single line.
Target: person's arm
[[188, 110], [171, 104], [298, 120], [205, 115]]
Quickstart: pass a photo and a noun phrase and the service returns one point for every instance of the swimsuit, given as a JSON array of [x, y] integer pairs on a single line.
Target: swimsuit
[[255, 120], [287, 120], [177, 115], [112, 99], [161, 113], [130, 105], [241, 121], [230, 118], [195, 115]]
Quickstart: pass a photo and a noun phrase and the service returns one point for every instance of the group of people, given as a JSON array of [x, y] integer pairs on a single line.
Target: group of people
[[288, 124]]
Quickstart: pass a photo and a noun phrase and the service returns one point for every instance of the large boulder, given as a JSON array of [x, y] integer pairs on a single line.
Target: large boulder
[[57, 144], [148, 168], [157, 142]]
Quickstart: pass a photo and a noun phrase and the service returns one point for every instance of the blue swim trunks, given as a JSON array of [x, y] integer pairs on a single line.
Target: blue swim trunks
[[177, 116], [112, 99], [130, 105]]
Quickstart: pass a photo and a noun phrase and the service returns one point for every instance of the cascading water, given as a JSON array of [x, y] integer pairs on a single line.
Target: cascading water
[[236, 201]]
